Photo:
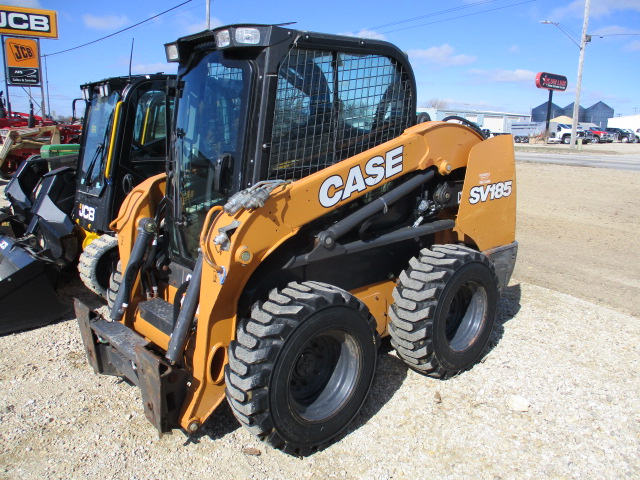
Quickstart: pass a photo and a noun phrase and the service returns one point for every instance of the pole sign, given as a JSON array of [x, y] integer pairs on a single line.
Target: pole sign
[[28, 22], [551, 81], [23, 61]]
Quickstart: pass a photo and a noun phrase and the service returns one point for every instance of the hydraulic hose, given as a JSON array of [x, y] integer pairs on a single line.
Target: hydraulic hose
[[147, 228], [330, 235], [186, 315]]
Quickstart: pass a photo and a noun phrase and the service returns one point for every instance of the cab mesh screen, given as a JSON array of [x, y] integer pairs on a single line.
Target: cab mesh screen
[[331, 106]]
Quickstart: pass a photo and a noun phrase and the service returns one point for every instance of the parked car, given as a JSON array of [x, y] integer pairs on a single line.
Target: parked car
[[633, 138], [623, 135], [562, 134], [638, 135], [600, 135]]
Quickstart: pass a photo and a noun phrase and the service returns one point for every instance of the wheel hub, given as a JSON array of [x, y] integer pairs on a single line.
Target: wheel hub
[[466, 316]]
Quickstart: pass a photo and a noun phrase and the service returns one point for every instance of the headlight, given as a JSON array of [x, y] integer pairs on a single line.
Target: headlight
[[248, 36], [223, 39], [171, 51]]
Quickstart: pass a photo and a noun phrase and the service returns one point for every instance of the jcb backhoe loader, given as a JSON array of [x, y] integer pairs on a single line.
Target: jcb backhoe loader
[[304, 216], [61, 213]]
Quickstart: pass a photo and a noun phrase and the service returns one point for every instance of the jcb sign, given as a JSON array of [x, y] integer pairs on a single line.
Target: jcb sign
[[28, 22], [23, 66]]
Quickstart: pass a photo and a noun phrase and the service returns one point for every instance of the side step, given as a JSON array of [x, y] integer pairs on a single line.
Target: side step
[[159, 313]]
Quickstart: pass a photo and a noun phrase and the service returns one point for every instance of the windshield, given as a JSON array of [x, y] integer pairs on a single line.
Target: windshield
[[97, 136], [210, 120]]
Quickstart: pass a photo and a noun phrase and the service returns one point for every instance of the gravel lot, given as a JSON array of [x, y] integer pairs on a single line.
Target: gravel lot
[[555, 397]]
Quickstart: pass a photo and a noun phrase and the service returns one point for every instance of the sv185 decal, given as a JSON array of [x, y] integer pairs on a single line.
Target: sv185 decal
[[336, 189], [493, 191]]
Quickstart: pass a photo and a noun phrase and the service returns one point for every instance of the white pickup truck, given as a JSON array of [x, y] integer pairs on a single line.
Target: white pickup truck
[[562, 134]]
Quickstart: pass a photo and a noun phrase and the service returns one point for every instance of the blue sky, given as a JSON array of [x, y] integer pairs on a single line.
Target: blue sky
[[474, 54]]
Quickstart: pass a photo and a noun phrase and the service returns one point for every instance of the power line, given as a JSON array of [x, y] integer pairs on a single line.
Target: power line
[[442, 12], [459, 16], [119, 31], [612, 34], [570, 35]]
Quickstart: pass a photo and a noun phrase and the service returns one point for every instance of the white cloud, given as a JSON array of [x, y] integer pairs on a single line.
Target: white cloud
[[443, 56], [107, 22], [365, 33], [601, 8], [187, 22], [23, 3], [199, 27], [614, 30], [469, 105], [633, 46], [500, 75], [514, 49]]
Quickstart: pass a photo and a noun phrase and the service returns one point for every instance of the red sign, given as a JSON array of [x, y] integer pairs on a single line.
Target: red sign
[[551, 81]]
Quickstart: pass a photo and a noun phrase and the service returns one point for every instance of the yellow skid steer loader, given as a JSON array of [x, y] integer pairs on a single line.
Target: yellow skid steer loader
[[304, 216]]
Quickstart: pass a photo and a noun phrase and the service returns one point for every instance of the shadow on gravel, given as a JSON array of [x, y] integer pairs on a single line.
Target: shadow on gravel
[[220, 423], [508, 307], [390, 375]]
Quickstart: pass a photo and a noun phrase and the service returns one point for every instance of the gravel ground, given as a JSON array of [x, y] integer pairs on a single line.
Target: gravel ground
[[555, 397]]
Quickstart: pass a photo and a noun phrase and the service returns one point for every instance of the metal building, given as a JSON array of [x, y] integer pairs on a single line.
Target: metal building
[[496, 122]]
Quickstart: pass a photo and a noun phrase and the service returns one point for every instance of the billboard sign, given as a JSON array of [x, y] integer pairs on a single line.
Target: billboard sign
[[28, 22], [23, 61], [551, 81]]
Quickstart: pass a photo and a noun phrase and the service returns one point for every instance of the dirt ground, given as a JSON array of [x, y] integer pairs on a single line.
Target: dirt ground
[[578, 230]]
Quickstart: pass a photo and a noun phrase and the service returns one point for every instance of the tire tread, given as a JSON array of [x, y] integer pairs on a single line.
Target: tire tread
[[256, 347], [416, 297], [89, 259]]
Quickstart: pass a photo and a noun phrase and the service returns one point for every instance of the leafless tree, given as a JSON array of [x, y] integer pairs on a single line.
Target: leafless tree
[[436, 103]]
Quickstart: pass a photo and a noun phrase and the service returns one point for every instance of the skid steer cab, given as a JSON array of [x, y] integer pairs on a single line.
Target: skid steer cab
[[60, 208], [304, 216]]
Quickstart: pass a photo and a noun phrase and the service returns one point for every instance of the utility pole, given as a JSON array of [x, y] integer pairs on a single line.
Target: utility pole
[[583, 43]]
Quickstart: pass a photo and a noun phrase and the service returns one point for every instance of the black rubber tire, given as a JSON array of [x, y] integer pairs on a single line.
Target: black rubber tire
[[596, 139], [302, 365], [423, 117], [7, 170], [445, 309], [566, 139], [115, 280], [96, 263]]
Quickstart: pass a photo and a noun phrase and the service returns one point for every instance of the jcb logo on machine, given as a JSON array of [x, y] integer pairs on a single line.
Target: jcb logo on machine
[[87, 212], [493, 191], [335, 189]]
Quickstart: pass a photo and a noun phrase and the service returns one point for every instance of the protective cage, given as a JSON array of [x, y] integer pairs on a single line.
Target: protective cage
[[332, 105]]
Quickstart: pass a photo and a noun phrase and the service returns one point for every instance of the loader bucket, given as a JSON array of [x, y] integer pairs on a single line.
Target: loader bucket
[[27, 289]]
